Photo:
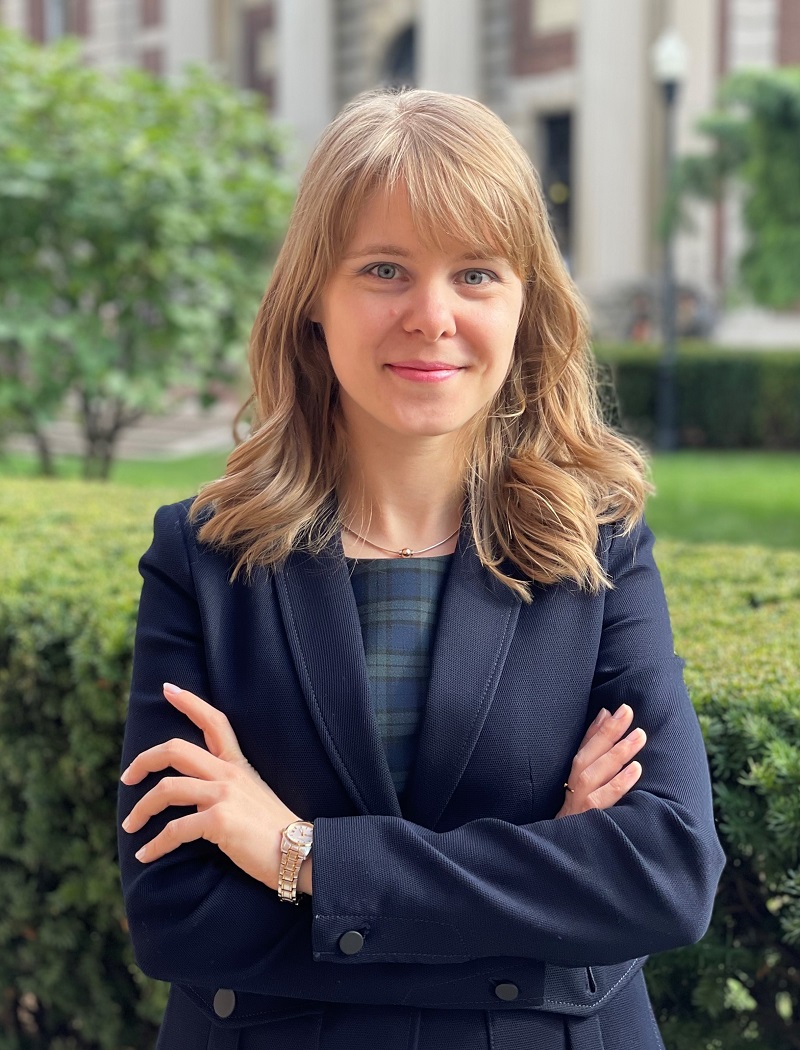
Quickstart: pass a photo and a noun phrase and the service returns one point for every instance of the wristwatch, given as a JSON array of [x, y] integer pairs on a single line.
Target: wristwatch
[[296, 841]]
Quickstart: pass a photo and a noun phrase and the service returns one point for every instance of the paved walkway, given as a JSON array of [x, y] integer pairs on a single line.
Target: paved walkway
[[186, 431]]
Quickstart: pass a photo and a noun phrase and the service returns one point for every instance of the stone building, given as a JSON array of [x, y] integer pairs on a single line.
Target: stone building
[[572, 78]]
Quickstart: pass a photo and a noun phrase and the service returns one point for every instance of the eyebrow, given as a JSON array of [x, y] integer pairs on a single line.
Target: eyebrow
[[404, 253], [378, 249]]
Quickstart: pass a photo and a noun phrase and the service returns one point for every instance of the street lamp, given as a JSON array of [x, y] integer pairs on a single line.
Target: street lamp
[[670, 61]]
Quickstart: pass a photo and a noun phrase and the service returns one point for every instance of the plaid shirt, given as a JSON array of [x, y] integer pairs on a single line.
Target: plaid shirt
[[398, 605]]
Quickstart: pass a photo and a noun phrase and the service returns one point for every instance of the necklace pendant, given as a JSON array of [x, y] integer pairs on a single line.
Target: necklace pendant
[[406, 552]]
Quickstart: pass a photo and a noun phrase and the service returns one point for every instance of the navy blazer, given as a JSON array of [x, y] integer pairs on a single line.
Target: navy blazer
[[470, 917]]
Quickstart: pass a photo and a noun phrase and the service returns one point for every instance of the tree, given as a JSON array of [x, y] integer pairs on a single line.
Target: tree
[[755, 138], [137, 219]]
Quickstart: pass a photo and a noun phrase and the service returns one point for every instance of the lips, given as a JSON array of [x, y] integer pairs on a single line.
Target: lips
[[424, 371], [426, 366]]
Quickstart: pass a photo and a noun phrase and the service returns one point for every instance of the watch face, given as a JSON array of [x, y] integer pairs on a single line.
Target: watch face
[[300, 833]]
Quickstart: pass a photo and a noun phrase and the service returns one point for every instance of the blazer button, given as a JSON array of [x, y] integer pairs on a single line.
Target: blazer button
[[224, 1002], [506, 991], [351, 942]]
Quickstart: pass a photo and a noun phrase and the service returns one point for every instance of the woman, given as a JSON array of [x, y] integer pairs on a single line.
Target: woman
[[399, 625]]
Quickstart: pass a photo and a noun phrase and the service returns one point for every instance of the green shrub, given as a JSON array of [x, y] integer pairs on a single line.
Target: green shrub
[[68, 593], [736, 614], [725, 399], [68, 597]]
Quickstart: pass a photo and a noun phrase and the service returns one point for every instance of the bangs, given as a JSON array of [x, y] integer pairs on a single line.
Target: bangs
[[467, 179], [454, 203], [451, 198]]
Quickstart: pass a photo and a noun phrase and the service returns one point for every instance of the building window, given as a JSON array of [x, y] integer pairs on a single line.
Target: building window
[[150, 13], [399, 66], [258, 32], [49, 20], [152, 59], [556, 139]]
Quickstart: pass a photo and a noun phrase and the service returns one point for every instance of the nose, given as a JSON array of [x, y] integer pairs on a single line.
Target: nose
[[430, 311]]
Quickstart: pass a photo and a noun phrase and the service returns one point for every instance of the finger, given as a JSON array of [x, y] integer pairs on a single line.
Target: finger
[[219, 736], [176, 754], [183, 829], [171, 791], [605, 737], [602, 715], [616, 788], [603, 769]]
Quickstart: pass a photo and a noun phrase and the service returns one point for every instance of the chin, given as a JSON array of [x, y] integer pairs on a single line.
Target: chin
[[429, 430]]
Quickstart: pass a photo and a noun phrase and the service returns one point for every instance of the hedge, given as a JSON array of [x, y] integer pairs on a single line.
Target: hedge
[[724, 398], [68, 595]]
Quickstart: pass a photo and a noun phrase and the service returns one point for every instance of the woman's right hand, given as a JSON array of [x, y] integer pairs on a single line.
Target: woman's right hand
[[602, 770]]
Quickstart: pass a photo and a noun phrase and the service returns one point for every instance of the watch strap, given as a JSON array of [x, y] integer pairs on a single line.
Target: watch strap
[[292, 857]]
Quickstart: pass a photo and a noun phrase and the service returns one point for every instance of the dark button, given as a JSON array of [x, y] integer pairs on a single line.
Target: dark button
[[506, 991], [224, 1002], [351, 942]]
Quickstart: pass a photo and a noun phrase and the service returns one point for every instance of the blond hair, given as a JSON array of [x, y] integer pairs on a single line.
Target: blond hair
[[543, 470]]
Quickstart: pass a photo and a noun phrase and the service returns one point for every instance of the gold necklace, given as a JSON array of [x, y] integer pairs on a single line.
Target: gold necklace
[[404, 552]]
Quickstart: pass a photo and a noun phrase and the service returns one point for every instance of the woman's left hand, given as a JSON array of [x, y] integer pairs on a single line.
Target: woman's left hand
[[236, 810]]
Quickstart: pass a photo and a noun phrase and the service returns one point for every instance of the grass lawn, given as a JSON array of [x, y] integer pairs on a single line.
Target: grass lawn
[[701, 497], [727, 497], [185, 476]]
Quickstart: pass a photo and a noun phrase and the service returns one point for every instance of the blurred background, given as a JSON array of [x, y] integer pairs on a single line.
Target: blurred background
[[149, 155], [628, 110]]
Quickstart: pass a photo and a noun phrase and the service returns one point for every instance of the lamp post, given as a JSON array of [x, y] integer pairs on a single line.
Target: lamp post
[[670, 60]]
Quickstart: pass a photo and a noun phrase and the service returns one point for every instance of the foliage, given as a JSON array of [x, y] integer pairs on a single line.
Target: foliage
[[136, 222], [755, 139], [66, 969], [725, 399]]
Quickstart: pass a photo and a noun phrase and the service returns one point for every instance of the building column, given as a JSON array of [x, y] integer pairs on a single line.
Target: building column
[[699, 28], [449, 53], [12, 15], [613, 218], [304, 70], [186, 31]]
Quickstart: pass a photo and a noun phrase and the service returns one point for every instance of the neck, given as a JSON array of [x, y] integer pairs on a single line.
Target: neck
[[401, 494]]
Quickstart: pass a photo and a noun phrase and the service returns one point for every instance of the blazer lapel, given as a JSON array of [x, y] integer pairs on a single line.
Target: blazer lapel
[[476, 625], [321, 620]]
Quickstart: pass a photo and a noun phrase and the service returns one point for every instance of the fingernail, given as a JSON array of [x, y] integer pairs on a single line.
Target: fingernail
[[621, 711], [601, 717], [170, 689], [124, 777], [139, 854], [126, 823]]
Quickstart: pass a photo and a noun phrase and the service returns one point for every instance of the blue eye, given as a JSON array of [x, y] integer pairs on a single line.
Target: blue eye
[[476, 277], [386, 271]]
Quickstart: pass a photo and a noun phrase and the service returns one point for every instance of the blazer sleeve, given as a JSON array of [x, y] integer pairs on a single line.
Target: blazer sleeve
[[193, 915], [593, 888]]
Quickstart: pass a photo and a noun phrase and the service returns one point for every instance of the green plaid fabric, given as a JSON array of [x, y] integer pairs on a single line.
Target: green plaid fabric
[[398, 606]]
